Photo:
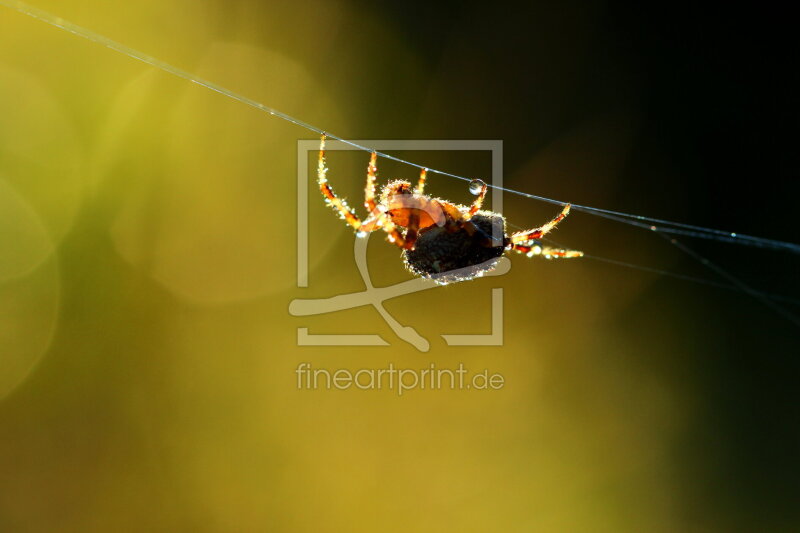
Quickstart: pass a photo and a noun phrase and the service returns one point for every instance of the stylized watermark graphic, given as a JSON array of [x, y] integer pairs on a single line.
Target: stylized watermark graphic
[[375, 296], [398, 380]]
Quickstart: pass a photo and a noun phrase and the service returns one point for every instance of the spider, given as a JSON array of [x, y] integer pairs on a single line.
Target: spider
[[440, 240]]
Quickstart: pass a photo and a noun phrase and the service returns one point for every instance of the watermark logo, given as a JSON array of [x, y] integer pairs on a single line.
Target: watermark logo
[[376, 296], [399, 380]]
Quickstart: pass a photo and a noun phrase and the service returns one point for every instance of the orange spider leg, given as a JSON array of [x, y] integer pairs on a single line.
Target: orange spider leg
[[412, 230], [546, 251], [423, 174], [478, 202], [397, 238], [372, 223], [339, 204], [529, 235], [369, 193], [559, 253]]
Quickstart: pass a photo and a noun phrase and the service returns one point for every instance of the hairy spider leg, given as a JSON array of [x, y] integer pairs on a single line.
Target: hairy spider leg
[[369, 193], [375, 219], [411, 230], [521, 237], [331, 199], [397, 238], [559, 253], [423, 174], [547, 251], [478, 202]]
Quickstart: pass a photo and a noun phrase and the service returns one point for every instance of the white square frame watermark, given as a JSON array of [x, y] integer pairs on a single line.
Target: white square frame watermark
[[376, 296]]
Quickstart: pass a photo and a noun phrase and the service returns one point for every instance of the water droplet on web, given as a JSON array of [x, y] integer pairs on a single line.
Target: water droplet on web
[[476, 186]]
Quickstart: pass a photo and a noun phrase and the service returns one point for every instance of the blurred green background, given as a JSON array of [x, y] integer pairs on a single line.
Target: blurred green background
[[148, 259]]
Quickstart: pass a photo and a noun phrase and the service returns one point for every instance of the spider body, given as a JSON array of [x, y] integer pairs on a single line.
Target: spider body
[[447, 256], [440, 240]]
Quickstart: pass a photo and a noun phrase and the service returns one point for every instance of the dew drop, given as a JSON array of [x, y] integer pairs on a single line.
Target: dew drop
[[476, 186]]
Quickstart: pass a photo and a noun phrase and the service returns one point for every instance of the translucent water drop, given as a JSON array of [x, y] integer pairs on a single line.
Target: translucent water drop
[[476, 186]]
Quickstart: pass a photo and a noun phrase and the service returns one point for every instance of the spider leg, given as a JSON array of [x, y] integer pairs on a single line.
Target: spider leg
[[478, 202], [423, 174], [411, 230], [369, 193], [339, 204], [395, 237], [559, 253], [372, 223], [548, 252], [521, 237]]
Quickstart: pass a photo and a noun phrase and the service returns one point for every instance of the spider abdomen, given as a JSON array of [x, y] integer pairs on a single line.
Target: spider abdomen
[[448, 256]]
